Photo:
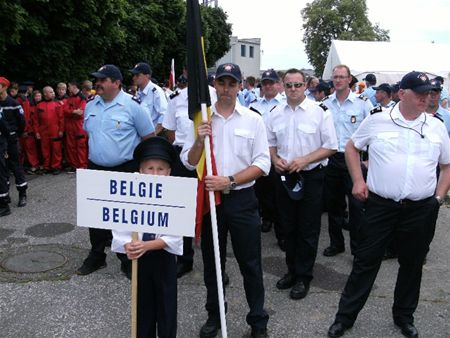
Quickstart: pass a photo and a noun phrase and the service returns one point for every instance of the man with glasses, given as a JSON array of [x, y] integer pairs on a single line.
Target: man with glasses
[[348, 110], [402, 198], [301, 137]]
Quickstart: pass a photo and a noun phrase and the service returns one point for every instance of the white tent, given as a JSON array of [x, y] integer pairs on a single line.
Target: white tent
[[389, 61]]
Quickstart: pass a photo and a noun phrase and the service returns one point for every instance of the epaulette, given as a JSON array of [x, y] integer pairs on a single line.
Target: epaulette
[[254, 100], [323, 106], [325, 98], [137, 99], [154, 89], [255, 110], [90, 98], [174, 94], [273, 108], [438, 117], [377, 109], [362, 97]]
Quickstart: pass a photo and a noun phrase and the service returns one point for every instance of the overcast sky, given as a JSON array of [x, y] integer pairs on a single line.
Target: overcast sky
[[279, 25]]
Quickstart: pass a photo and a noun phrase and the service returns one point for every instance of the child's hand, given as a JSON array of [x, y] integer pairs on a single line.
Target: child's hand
[[135, 249]]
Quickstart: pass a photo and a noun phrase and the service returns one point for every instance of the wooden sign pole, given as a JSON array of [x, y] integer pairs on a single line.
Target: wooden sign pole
[[134, 290]]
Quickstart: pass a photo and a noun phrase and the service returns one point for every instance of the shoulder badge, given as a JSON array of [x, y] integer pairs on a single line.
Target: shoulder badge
[[323, 106], [325, 98], [362, 97], [438, 117], [254, 100], [90, 98], [273, 108], [154, 89], [174, 94], [375, 110], [136, 99], [255, 110]]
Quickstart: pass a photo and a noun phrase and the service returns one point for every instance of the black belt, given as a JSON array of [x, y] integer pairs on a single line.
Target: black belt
[[404, 202]]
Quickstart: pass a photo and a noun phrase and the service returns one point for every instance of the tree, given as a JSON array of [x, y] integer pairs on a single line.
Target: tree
[[326, 20], [51, 41]]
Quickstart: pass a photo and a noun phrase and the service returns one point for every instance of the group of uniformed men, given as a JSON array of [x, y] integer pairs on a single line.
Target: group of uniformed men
[[306, 152]]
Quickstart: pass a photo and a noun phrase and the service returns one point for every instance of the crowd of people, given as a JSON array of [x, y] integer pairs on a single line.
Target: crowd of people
[[287, 148]]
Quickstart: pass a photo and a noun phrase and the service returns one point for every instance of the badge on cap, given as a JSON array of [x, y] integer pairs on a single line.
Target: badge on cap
[[423, 77], [228, 68], [353, 119]]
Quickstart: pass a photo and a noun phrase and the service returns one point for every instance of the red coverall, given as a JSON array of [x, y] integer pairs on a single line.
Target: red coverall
[[75, 136], [49, 127], [28, 141]]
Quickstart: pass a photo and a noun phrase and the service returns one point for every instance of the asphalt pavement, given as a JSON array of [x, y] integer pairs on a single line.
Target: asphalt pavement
[[40, 296]]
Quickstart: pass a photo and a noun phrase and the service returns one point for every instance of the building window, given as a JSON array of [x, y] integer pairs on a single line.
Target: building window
[[250, 51], [243, 50]]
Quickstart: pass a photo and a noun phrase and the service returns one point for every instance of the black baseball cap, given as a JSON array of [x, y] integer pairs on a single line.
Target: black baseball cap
[[437, 85], [229, 69], [384, 87], [371, 78], [293, 184], [155, 148], [416, 81], [322, 86], [271, 75], [141, 68], [110, 71]]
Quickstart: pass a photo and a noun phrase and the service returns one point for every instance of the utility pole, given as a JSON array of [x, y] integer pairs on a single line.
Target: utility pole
[[210, 2]]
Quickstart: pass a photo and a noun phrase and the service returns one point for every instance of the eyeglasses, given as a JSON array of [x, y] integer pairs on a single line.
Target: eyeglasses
[[339, 77], [294, 84]]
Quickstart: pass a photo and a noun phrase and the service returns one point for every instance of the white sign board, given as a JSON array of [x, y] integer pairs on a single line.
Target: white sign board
[[136, 202]]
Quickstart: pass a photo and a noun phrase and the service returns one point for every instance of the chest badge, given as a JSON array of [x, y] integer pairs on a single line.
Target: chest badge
[[353, 119]]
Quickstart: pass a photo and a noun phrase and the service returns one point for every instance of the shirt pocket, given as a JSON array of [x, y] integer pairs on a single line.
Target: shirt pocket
[[243, 141], [116, 125], [89, 121], [353, 118], [388, 141]]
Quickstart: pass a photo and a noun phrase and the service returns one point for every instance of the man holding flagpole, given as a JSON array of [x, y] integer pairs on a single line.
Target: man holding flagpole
[[241, 151]]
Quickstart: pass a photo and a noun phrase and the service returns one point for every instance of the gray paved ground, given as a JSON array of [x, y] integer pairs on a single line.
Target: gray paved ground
[[57, 303]]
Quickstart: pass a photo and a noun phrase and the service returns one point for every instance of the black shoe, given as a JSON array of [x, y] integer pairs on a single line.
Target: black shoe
[[286, 282], [22, 201], [282, 244], [259, 333], [183, 269], [89, 266], [5, 211], [210, 328], [266, 225], [408, 329], [299, 291], [337, 329], [56, 172], [332, 251], [226, 279], [389, 255]]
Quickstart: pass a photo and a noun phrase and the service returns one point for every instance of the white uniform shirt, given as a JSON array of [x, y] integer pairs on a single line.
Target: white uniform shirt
[[154, 101], [301, 131], [238, 142], [402, 164], [177, 115], [120, 238], [264, 106]]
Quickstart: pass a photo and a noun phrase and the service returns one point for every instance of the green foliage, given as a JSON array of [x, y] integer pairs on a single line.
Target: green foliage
[[51, 41], [326, 20]]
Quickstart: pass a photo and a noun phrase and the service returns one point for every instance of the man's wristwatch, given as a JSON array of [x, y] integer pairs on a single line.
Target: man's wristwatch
[[440, 200], [233, 184]]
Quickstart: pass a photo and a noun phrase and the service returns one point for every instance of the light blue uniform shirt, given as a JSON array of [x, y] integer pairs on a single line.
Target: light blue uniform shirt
[[444, 114], [154, 101], [348, 116], [115, 128], [370, 94], [249, 96], [264, 106]]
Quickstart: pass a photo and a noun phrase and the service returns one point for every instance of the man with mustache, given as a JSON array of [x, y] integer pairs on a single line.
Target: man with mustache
[[116, 124]]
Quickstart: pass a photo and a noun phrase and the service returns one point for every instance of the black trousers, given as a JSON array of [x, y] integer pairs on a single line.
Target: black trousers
[[15, 166], [178, 169], [238, 214], [100, 237], [301, 222], [157, 295], [4, 175], [338, 186], [412, 225]]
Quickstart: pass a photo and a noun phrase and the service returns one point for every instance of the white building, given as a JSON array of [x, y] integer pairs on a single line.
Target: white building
[[246, 53]]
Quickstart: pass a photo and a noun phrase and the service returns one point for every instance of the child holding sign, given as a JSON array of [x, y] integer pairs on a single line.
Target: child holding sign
[[157, 270]]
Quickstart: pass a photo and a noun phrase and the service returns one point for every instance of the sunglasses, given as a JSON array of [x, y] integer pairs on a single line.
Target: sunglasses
[[294, 84]]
